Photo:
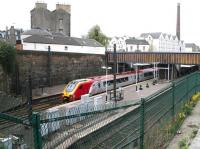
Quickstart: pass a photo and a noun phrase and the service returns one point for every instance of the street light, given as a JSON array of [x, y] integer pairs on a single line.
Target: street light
[[106, 68]]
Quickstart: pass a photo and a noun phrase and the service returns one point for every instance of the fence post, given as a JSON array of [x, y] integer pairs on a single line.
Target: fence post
[[196, 79], [142, 123], [29, 99], [49, 66], [36, 130], [187, 82], [173, 99]]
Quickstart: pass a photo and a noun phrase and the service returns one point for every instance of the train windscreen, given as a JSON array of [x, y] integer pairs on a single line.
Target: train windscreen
[[71, 86]]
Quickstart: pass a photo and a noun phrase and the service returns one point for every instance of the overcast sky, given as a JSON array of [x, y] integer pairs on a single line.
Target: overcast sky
[[115, 17]]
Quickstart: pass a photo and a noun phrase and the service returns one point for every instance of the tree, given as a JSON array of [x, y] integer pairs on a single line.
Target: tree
[[7, 62], [96, 33]]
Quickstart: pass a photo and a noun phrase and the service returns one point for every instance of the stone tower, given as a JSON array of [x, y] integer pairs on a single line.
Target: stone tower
[[53, 21]]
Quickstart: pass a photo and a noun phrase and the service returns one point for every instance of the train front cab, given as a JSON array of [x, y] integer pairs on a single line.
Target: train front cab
[[75, 89]]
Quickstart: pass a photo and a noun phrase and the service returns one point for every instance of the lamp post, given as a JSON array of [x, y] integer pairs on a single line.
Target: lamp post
[[106, 68]]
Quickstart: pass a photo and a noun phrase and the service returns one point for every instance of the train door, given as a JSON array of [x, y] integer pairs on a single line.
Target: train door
[[141, 76], [79, 92], [86, 87]]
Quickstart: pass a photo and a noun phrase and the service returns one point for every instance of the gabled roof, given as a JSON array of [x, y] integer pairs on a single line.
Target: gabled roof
[[37, 31], [65, 40], [136, 42], [189, 45], [174, 37], [155, 35]]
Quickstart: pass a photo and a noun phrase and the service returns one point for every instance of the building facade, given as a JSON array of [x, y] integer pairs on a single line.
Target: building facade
[[128, 44], [11, 35], [57, 21], [120, 43], [42, 40], [136, 45], [161, 42], [191, 47]]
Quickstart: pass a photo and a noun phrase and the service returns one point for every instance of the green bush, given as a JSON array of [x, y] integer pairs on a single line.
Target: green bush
[[183, 144]]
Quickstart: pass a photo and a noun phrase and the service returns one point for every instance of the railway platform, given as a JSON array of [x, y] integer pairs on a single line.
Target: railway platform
[[47, 91], [141, 90], [145, 88]]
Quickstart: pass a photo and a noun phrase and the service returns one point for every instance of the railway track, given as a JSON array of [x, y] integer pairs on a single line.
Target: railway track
[[38, 104]]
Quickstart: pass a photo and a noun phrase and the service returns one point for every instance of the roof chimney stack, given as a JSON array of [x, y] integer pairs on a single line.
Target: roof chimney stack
[[64, 7]]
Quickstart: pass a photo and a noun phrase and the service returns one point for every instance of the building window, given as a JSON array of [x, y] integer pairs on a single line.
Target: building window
[[60, 30], [60, 25], [66, 48], [137, 47], [131, 48], [60, 22], [143, 48]]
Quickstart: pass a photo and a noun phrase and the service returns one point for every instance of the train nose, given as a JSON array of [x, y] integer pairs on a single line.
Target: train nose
[[62, 97]]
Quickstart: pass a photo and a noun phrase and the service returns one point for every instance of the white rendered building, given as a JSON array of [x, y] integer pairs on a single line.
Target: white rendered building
[[120, 43], [136, 45], [41, 40], [127, 44], [161, 42]]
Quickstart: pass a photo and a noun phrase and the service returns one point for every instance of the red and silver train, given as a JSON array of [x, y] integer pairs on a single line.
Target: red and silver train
[[95, 85]]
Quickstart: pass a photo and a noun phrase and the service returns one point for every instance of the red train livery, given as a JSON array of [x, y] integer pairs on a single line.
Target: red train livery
[[95, 85]]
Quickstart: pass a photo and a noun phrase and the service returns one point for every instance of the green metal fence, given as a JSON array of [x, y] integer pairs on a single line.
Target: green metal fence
[[140, 123]]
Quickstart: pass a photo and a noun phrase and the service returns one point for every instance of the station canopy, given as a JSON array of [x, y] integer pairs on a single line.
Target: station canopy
[[187, 66]]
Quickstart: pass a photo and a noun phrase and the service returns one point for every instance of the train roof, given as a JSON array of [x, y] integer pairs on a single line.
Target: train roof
[[82, 80], [110, 77]]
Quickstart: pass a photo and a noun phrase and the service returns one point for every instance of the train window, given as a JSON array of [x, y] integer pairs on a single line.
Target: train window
[[99, 85], [118, 81], [104, 84], [71, 86], [110, 82], [148, 74], [124, 79]]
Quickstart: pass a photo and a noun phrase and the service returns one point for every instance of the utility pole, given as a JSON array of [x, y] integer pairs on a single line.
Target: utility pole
[[29, 99], [49, 66], [114, 73]]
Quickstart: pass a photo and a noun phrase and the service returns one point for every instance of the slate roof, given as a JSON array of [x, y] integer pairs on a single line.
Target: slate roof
[[174, 37], [188, 45], [136, 42], [155, 35], [37, 32], [193, 46], [62, 40]]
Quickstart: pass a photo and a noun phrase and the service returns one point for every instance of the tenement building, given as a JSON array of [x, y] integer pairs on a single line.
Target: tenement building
[[57, 21], [162, 42]]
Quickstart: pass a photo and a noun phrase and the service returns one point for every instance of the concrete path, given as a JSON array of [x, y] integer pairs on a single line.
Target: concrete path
[[190, 124]]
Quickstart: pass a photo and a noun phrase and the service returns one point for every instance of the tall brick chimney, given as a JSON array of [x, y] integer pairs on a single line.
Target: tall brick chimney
[[178, 22]]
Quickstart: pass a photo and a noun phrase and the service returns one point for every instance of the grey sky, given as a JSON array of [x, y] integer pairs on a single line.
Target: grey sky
[[115, 17]]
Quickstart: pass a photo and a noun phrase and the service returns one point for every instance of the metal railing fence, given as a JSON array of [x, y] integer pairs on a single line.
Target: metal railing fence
[[143, 123]]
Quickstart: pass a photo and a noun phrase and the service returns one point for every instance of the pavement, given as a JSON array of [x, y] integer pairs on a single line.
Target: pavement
[[129, 91], [190, 124]]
